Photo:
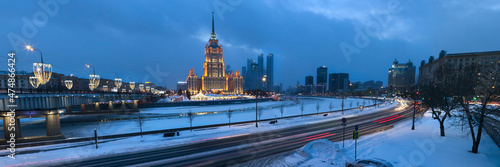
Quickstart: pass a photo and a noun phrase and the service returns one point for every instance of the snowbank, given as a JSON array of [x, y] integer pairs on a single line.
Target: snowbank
[[400, 146]]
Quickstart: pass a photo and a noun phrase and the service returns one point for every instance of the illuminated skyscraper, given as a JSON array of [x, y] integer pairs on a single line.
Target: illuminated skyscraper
[[321, 79], [214, 78], [270, 72]]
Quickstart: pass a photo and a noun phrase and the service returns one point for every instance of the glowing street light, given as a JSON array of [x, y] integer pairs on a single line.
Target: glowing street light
[[69, 84], [118, 81], [93, 79], [132, 85], [34, 82], [141, 87], [41, 70]]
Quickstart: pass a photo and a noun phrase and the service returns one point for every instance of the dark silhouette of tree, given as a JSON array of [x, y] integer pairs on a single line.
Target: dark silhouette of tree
[[438, 93], [301, 108], [483, 83], [317, 108], [179, 92], [191, 116], [188, 94], [229, 114]]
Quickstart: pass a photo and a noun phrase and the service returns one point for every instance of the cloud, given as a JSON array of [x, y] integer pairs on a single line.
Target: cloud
[[203, 36], [359, 13]]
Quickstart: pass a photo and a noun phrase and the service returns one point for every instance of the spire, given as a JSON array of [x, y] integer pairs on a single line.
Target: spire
[[212, 36], [191, 72], [213, 28]]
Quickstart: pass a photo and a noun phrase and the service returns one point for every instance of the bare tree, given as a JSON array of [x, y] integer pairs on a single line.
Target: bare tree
[[482, 82], [140, 121], [301, 109], [374, 102], [439, 93], [331, 106], [191, 116], [229, 114], [357, 104], [317, 108], [350, 104], [282, 110]]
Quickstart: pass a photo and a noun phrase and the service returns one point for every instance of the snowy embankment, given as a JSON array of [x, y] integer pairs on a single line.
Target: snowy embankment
[[76, 151], [175, 117], [400, 146]]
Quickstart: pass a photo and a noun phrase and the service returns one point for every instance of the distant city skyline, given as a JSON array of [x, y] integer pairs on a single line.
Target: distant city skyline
[[159, 41]]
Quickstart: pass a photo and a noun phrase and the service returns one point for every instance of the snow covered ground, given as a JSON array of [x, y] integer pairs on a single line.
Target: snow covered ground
[[400, 146], [175, 117], [73, 151]]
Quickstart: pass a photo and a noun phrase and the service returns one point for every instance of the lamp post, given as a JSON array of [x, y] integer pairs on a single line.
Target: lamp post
[[41, 70], [118, 81], [256, 108], [93, 79], [34, 82]]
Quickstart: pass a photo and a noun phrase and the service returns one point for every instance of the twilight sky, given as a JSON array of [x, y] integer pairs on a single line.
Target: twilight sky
[[159, 40]]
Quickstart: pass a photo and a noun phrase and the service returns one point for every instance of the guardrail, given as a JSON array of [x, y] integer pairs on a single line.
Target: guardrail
[[42, 143]]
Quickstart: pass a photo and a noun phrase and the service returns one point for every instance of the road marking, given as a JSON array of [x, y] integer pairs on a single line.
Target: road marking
[[332, 119]]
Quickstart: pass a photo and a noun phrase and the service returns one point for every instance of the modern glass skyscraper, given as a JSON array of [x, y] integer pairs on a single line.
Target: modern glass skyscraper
[[338, 82], [270, 72], [321, 79], [260, 62]]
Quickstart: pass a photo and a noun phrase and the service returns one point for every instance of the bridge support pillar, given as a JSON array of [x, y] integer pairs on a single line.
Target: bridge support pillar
[[82, 108], [110, 105], [53, 124], [68, 109], [15, 129], [97, 107], [136, 106], [123, 107]]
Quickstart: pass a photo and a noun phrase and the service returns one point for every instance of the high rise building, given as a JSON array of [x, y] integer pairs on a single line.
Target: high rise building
[[228, 70], [459, 61], [270, 71], [321, 79], [261, 73], [249, 82], [214, 78], [309, 84], [401, 77], [244, 74], [254, 75], [338, 82]]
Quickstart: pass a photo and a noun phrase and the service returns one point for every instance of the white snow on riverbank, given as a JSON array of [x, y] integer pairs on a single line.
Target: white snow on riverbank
[[400, 146]]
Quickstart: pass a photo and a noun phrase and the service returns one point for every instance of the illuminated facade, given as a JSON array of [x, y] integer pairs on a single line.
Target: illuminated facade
[[214, 78]]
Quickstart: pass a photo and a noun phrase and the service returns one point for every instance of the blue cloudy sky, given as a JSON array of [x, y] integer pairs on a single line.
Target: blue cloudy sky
[[159, 40]]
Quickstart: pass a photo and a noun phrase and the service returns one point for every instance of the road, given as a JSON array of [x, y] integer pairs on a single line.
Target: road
[[237, 149]]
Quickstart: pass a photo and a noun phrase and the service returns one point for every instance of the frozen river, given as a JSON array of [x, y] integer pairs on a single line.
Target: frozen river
[[174, 117]]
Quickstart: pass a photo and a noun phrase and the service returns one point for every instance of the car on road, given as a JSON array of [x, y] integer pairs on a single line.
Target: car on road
[[375, 162]]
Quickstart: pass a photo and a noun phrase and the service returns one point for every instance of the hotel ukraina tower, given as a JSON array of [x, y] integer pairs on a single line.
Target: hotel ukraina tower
[[214, 79]]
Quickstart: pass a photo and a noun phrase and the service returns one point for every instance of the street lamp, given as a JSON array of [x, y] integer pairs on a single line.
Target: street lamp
[[34, 82], [141, 87], [132, 85], [118, 81], [256, 107], [93, 79], [41, 70], [69, 84]]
